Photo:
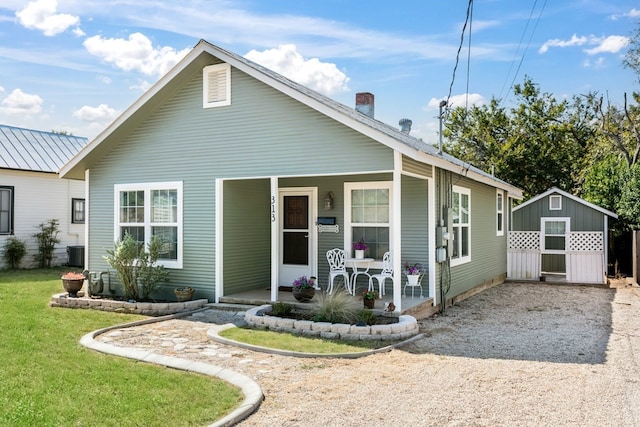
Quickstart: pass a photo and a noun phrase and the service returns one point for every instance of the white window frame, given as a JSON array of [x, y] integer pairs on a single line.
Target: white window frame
[[147, 188], [348, 228], [467, 258], [9, 209], [206, 72], [543, 234], [551, 199], [499, 212]]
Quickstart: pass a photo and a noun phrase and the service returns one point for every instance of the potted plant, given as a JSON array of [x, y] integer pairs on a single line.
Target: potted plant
[[360, 246], [73, 282], [412, 272], [369, 298], [184, 293], [304, 289]]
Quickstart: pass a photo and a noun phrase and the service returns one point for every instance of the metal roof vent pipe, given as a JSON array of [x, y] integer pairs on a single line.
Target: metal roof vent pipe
[[365, 104], [405, 125]]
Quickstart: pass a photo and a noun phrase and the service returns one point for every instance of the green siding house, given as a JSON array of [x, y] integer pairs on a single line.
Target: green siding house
[[561, 236], [253, 178]]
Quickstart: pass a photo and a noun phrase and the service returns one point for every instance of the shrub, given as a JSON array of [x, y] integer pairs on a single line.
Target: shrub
[[281, 309], [133, 265], [366, 316], [47, 239], [337, 307], [14, 250]]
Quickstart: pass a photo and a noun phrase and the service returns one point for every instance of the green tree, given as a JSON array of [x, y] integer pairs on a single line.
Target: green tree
[[536, 145]]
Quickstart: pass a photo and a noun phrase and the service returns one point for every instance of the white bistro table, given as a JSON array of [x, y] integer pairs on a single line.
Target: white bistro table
[[358, 266]]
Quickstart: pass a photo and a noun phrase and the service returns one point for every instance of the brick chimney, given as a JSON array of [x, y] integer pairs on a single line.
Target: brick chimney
[[365, 104]]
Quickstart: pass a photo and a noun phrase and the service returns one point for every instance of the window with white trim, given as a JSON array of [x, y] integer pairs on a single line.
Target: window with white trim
[[499, 213], [77, 211], [151, 209], [554, 234], [461, 225], [216, 85], [368, 216], [555, 203], [6, 210]]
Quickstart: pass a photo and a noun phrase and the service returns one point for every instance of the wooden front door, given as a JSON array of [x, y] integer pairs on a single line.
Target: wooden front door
[[296, 236]]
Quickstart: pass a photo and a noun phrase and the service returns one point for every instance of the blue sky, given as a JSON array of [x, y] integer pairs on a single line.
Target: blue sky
[[75, 65]]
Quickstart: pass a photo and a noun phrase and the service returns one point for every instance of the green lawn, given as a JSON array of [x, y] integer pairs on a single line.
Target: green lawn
[[48, 379]]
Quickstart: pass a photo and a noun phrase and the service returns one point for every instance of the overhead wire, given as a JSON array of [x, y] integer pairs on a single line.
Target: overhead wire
[[515, 75]]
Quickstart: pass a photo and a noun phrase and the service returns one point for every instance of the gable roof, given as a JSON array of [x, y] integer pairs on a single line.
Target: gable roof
[[556, 190], [37, 151], [375, 129]]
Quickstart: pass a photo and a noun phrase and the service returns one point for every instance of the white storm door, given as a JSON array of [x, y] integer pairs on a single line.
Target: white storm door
[[297, 235]]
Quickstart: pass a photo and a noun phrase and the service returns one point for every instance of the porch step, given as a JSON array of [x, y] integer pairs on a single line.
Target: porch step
[[225, 306]]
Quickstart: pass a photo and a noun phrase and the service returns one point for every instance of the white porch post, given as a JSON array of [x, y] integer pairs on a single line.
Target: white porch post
[[275, 241], [218, 240], [432, 223], [396, 220]]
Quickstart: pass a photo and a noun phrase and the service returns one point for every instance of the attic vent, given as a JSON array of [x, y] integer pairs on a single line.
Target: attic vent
[[555, 203], [216, 86]]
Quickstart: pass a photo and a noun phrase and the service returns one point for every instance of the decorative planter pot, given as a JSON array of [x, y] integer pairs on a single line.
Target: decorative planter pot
[[303, 295], [413, 279], [184, 294], [72, 286], [359, 254], [369, 303]]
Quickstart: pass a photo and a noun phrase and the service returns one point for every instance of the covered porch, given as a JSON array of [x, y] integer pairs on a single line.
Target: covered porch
[[273, 230]]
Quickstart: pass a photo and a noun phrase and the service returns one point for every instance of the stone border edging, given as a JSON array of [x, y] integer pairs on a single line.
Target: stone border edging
[[143, 308], [213, 334], [406, 327], [253, 395]]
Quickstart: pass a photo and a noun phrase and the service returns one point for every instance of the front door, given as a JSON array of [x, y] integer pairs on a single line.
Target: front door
[[297, 235]]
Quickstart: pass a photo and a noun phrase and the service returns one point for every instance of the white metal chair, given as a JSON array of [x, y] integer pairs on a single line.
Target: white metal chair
[[418, 284], [337, 268], [386, 273]]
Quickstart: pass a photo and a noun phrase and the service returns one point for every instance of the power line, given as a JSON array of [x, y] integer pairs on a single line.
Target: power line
[[467, 21]]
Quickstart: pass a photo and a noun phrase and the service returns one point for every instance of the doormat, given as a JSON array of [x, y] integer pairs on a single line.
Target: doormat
[[285, 288]]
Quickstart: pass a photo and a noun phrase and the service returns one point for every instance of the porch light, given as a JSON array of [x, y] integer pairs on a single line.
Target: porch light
[[328, 200]]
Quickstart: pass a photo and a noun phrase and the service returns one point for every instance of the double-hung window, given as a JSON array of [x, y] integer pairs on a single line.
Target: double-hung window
[[368, 216], [461, 225], [151, 209], [499, 213], [6, 210], [77, 211]]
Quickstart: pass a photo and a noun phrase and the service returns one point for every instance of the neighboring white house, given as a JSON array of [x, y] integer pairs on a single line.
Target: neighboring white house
[[31, 191]]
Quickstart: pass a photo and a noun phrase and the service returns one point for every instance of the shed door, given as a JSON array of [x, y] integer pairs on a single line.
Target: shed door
[[554, 233]]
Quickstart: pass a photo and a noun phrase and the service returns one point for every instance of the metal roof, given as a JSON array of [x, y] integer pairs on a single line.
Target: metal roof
[[34, 150]]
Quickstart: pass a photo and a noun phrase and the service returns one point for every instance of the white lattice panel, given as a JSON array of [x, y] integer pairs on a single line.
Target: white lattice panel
[[586, 241], [524, 240]]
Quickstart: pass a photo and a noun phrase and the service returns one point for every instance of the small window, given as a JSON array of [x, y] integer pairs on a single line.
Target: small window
[[368, 216], [216, 86], [461, 227], [6, 210], [77, 211], [555, 203], [499, 213]]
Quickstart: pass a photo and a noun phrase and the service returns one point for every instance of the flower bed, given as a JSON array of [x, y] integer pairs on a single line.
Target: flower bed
[[144, 308], [406, 327]]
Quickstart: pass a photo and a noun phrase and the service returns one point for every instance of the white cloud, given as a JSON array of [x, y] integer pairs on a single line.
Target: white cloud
[[459, 100], [574, 41], [18, 102], [104, 79], [324, 77], [611, 44], [101, 113], [41, 15], [135, 54], [633, 13], [598, 63]]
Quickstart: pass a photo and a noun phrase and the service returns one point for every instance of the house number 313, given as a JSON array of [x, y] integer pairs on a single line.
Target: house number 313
[[273, 209]]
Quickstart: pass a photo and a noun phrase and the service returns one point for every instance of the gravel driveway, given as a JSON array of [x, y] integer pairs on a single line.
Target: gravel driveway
[[525, 354]]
